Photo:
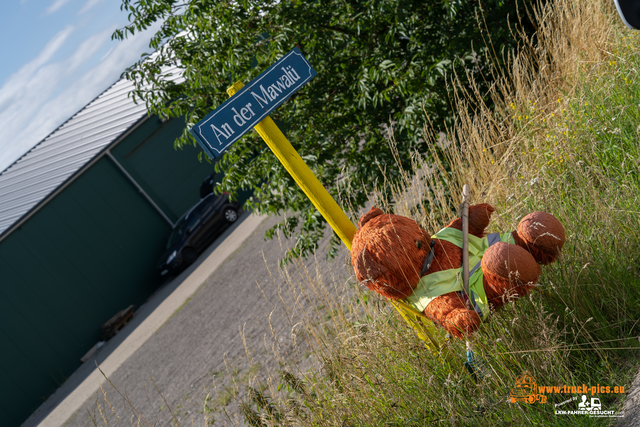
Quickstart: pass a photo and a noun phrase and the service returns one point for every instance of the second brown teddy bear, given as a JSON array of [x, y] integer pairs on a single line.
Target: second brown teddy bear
[[393, 256]]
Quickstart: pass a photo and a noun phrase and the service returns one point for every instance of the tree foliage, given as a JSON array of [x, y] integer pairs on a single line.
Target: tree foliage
[[379, 62]]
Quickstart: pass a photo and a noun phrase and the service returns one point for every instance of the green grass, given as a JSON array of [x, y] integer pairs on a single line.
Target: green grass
[[563, 138]]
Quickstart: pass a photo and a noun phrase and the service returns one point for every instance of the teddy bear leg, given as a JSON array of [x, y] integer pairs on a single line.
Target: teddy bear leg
[[450, 312], [542, 235], [509, 271]]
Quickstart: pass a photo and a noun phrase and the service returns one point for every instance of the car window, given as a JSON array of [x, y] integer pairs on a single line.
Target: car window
[[192, 222], [184, 226], [204, 207], [177, 233], [188, 223]]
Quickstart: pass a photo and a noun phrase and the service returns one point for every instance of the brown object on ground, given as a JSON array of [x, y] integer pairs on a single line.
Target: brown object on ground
[[388, 252], [117, 322]]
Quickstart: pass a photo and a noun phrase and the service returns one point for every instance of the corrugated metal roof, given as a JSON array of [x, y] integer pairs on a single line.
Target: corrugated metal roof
[[54, 160]]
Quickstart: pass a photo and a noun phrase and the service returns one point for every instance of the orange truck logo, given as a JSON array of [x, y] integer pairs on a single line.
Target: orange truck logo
[[525, 390]]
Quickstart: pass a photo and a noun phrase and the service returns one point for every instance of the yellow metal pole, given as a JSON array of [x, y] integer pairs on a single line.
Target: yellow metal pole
[[305, 178], [329, 209]]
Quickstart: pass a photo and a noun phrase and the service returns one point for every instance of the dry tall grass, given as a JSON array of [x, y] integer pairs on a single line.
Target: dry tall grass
[[562, 137]]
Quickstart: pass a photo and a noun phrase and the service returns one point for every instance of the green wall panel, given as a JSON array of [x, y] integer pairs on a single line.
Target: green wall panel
[[22, 347], [171, 177], [13, 388], [87, 254], [84, 256]]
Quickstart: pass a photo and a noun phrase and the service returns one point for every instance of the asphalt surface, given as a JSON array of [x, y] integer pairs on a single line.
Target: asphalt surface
[[196, 349]]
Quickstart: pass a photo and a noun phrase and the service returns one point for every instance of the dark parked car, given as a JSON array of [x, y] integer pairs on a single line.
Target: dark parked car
[[195, 231]]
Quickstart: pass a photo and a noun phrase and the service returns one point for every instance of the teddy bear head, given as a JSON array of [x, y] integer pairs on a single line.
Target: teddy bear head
[[388, 252]]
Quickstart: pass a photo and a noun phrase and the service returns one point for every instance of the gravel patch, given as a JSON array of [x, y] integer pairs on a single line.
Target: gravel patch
[[196, 363], [631, 406]]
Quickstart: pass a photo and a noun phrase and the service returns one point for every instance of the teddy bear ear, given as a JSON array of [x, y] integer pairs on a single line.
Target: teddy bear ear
[[373, 212], [367, 267]]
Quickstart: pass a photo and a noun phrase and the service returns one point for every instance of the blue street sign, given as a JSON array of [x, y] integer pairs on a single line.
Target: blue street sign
[[240, 113]]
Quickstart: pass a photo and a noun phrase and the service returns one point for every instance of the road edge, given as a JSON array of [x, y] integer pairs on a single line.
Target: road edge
[[74, 401]]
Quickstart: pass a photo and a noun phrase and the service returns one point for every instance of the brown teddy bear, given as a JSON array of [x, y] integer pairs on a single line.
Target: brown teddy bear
[[393, 256]]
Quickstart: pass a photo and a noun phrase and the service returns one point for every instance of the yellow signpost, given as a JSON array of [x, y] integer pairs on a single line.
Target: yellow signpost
[[303, 176], [331, 212]]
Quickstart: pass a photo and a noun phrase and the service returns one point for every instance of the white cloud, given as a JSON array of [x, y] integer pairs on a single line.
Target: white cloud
[[88, 5], [57, 4], [23, 92], [49, 50], [43, 94], [88, 47], [106, 54]]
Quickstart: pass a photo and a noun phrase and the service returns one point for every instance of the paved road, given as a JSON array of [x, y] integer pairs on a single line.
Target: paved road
[[183, 348]]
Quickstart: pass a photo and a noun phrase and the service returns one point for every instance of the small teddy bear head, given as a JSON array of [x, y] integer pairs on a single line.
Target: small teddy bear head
[[388, 252]]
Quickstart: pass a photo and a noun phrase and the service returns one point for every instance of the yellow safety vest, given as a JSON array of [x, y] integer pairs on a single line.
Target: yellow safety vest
[[446, 281]]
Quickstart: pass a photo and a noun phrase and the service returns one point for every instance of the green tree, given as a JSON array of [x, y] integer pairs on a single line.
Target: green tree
[[378, 62]]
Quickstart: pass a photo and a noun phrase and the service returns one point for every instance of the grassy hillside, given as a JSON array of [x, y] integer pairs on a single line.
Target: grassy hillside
[[563, 138]]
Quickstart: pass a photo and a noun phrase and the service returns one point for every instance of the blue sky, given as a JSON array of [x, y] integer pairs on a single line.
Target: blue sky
[[56, 56]]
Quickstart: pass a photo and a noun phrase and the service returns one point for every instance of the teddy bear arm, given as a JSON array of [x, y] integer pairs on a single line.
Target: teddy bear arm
[[450, 312], [479, 217]]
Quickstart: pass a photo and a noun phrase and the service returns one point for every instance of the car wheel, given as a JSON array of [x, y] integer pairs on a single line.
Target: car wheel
[[230, 215], [189, 255]]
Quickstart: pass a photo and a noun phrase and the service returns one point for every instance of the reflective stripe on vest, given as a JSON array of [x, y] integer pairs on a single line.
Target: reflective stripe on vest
[[446, 281]]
